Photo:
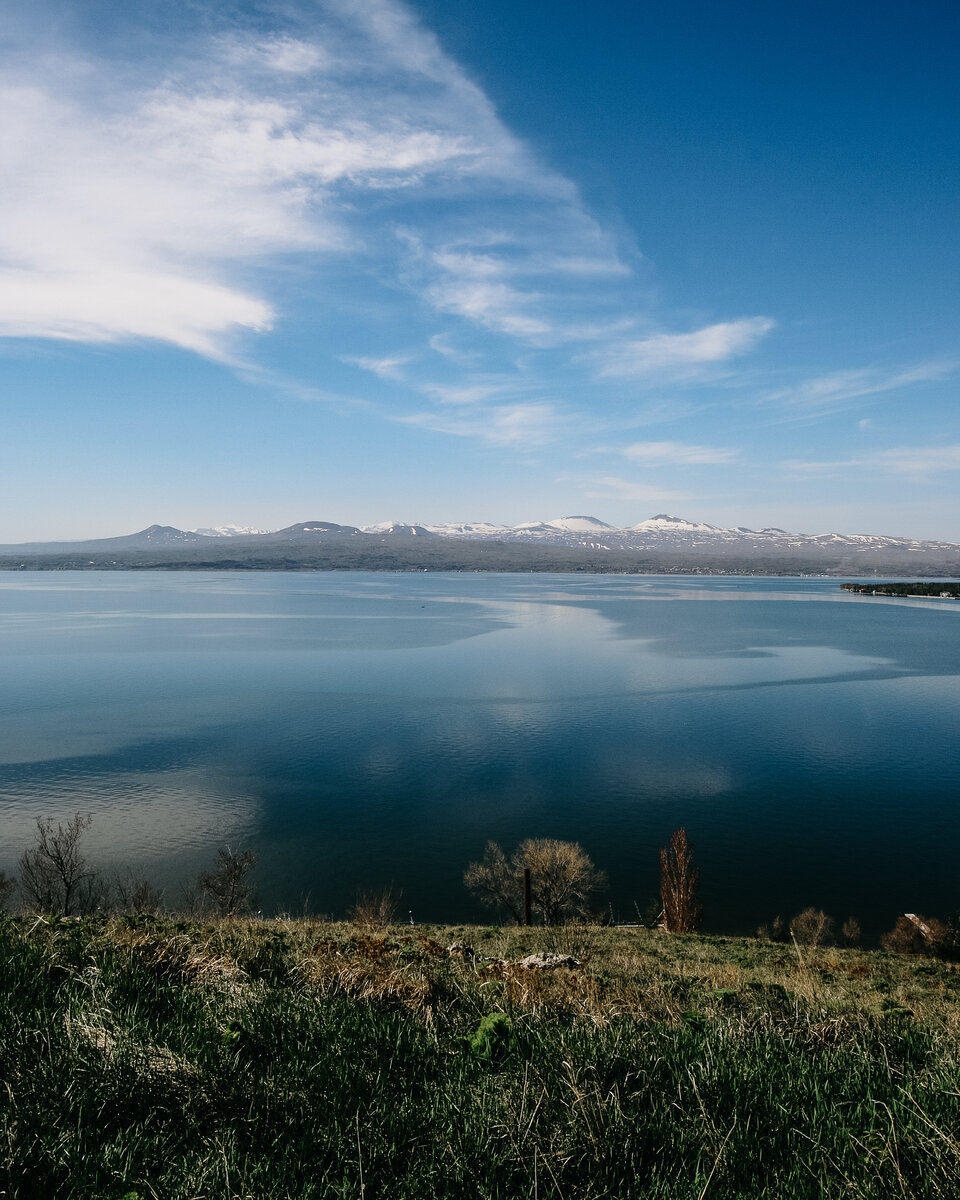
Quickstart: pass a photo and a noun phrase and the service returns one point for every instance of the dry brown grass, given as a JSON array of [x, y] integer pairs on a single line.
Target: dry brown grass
[[639, 973]]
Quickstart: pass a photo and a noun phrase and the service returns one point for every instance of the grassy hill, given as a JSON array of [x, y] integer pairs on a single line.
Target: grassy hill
[[156, 1057]]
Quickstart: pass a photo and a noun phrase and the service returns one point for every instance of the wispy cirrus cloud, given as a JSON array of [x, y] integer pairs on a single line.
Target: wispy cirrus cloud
[[614, 487], [153, 202], [681, 355], [181, 189], [838, 388], [678, 454], [492, 303], [383, 368], [471, 390], [918, 461], [532, 424]]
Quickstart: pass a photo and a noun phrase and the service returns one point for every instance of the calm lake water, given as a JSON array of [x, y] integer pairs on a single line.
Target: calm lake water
[[363, 730]]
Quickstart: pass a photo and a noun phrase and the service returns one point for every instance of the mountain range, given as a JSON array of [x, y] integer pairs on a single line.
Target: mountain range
[[661, 543]]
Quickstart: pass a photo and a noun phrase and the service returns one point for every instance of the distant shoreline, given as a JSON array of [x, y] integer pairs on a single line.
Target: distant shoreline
[[917, 590], [444, 557]]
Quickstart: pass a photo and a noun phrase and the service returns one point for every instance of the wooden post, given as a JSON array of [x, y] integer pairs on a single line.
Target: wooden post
[[526, 896]]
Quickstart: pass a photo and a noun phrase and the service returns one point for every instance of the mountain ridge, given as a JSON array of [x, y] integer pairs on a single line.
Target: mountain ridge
[[660, 544], [654, 532]]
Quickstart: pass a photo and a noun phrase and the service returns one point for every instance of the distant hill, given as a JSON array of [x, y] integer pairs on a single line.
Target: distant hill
[[661, 544]]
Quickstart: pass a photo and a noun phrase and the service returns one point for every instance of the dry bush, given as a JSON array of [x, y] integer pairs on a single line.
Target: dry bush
[[562, 879], [812, 927], [367, 969], [376, 909], [132, 893], [679, 885], [577, 939], [8, 886], [918, 935], [773, 931], [850, 934]]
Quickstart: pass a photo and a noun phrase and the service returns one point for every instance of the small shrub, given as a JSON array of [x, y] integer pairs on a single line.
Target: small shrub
[[773, 931], [226, 888], [850, 932], [812, 927], [918, 935], [375, 910], [133, 894]]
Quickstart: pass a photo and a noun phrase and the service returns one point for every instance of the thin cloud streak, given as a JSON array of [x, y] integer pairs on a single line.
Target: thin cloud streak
[[834, 391], [918, 461], [614, 487], [535, 424], [383, 368], [678, 454]]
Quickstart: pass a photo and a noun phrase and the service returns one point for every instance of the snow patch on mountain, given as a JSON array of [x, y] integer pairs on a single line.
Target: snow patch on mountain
[[663, 522], [222, 531], [579, 525], [399, 528]]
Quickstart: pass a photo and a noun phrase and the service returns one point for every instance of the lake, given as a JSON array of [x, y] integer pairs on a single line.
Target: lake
[[366, 730]]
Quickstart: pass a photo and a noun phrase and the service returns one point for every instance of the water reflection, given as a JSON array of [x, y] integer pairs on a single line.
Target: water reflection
[[367, 730]]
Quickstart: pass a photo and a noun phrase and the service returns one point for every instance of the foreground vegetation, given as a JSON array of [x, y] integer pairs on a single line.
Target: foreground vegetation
[[149, 1056]]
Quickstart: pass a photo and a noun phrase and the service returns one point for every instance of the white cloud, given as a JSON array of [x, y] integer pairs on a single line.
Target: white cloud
[[677, 454], [180, 180], [495, 305], [102, 306], [445, 344], [682, 353], [286, 54], [172, 196]]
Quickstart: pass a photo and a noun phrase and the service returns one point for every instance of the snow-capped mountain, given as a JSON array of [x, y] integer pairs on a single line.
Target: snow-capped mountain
[[226, 531], [660, 532], [666, 532], [398, 528], [659, 543]]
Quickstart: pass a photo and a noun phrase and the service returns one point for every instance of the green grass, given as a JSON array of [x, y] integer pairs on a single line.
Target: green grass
[[162, 1058]]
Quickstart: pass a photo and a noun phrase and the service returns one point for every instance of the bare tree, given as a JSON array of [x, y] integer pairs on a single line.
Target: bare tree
[[226, 888], [679, 885], [562, 879], [54, 874], [495, 882]]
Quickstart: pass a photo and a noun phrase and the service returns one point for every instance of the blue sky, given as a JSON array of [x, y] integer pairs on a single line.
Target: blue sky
[[360, 260]]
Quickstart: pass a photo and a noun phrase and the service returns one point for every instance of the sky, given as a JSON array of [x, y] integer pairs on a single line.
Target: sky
[[479, 260]]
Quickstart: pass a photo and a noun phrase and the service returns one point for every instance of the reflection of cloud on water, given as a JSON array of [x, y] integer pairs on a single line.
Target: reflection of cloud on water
[[636, 773], [166, 822]]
